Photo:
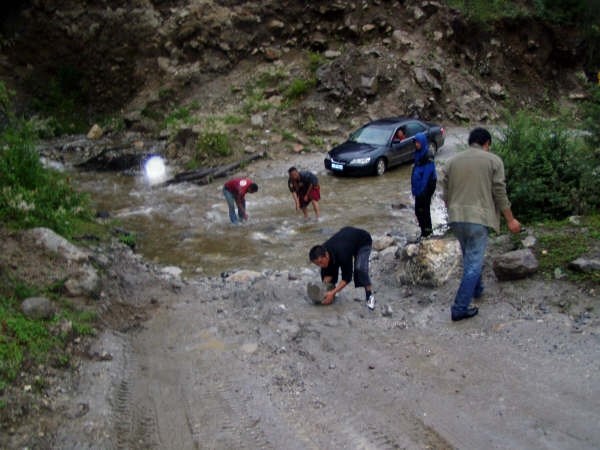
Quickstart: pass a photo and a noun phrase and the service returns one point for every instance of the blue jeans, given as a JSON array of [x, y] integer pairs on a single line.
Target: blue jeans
[[231, 204], [473, 239]]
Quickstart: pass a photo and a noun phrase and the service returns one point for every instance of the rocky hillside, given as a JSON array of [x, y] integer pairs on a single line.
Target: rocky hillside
[[362, 59]]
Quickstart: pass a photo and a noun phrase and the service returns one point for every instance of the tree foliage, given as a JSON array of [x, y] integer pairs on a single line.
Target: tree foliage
[[551, 171]]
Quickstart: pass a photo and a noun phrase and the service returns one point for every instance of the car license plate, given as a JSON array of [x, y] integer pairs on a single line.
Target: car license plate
[[336, 166]]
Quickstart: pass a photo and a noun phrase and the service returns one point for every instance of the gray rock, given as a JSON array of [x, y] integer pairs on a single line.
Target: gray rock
[[387, 311], [316, 291], [48, 239], [245, 276], [515, 265], [382, 242], [38, 308], [85, 282], [586, 265], [426, 79]]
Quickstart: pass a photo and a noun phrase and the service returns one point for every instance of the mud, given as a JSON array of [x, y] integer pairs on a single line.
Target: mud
[[256, 365]]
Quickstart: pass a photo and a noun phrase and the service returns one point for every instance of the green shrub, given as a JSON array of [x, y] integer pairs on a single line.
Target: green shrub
[[550, 171], [298, 88], [179, 116], [561, 242], [315, 60], [233, 119], [31, 195], [255, 101], [214, 143], [591, 110]]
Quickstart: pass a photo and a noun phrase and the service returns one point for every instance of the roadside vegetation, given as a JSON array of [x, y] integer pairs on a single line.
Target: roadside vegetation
[[33, 196], [552, 171]]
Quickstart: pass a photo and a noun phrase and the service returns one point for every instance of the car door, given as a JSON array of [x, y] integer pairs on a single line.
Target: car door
[[408, 150], [400, 148]]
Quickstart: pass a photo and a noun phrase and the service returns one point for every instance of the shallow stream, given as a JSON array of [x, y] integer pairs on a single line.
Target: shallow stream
[[187, 225]]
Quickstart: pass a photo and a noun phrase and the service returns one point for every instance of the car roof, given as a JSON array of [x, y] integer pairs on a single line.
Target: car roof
[[392, 122]]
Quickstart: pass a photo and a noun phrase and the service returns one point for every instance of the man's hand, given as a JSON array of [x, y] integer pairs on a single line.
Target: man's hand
[[514, 226], [328, 298]]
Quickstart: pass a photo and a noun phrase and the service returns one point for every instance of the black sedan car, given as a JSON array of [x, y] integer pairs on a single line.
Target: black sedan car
[[381, 144]]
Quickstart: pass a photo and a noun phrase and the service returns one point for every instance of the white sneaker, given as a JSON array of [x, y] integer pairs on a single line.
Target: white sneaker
[[371, 302]]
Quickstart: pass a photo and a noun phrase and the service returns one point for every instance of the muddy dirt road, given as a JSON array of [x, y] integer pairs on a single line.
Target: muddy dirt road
[[251, 364]]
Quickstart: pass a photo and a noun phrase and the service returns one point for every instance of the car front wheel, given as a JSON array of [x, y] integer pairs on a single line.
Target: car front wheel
[[380, 167]]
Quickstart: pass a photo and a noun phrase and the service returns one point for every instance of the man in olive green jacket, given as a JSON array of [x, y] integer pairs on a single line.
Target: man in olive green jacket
[[474, 190]]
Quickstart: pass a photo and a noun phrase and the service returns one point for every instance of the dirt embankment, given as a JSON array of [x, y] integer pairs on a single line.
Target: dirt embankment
[[412, 57]]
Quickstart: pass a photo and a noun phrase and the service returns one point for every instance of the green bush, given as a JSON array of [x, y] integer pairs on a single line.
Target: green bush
[[591, 110], [179, 116], [214, 143], [298, 88], [551, 172], [31, 195], [315, 60]]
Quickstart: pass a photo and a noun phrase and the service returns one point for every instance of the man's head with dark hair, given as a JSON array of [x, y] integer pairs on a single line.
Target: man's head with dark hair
[[316, 252], [294, 174], [480, 136], [318, 255], [253, 188]]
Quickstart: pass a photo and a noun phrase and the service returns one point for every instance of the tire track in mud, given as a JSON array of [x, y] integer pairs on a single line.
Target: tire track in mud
[[218, 418], [134, 423], [367, 421]]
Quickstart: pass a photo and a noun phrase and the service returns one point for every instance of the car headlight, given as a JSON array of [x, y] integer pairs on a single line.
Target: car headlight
[[360, 161]]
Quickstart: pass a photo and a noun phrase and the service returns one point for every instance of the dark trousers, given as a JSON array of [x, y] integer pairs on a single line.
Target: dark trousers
[[423, 209]]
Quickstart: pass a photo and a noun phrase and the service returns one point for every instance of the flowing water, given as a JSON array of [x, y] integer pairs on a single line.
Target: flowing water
[[188, 226]]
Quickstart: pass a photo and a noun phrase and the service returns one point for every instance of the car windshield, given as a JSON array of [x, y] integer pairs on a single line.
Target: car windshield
[[371, 135]]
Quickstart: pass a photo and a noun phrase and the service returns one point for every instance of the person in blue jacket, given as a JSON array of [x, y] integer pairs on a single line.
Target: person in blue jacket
[[423, 181]]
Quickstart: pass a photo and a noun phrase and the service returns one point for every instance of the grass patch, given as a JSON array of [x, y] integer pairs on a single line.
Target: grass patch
[[26, 343], [561, 242], [182, 116], [298, 88]]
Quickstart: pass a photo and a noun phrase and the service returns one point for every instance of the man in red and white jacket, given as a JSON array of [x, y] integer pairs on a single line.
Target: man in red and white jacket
[[235, 193]]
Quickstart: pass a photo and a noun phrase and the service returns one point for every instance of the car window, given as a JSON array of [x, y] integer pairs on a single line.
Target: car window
[[413, 128], [371, 135]]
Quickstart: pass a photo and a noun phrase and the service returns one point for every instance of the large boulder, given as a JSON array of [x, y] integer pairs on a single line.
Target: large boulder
[[428, 263]]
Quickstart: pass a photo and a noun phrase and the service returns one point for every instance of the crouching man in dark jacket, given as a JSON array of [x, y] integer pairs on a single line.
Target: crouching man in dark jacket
[[347, 250]]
